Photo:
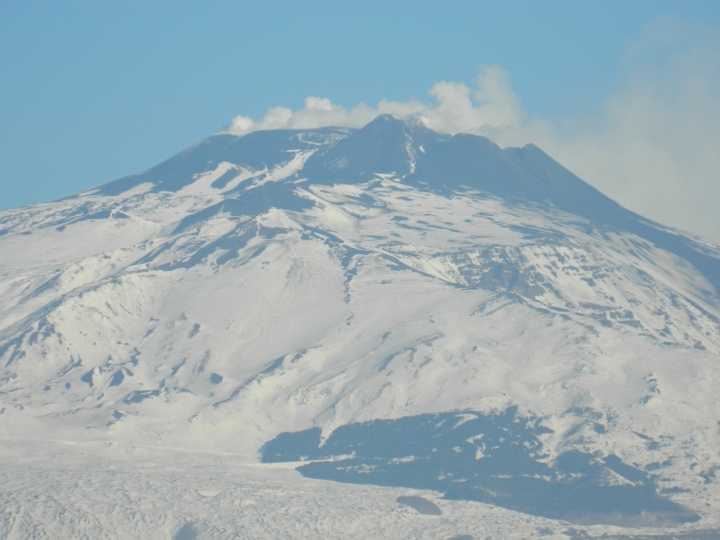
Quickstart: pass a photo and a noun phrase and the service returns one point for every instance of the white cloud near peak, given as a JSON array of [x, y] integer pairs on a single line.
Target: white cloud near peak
[[457, 109], [654, 148]]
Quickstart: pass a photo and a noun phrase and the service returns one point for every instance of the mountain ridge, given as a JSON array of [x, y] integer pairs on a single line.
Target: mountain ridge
[[558, 186]]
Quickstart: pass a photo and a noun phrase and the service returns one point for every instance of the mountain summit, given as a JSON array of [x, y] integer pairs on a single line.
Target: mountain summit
[[421, 158], [391, 305]]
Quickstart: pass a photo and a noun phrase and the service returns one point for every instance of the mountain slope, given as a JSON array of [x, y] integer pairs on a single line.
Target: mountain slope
[[290, 280]]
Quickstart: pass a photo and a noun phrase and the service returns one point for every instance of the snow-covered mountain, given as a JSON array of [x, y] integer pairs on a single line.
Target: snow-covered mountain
[[344, 285]]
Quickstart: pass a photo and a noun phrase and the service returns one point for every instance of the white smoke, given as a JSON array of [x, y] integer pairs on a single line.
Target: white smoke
[[655, 148], [457, 108]]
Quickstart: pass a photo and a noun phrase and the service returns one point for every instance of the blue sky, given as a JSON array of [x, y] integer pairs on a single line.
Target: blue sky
[[93, 91]]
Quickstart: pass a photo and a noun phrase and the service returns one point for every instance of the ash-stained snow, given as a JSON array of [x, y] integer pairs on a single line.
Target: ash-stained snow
[[251, 287]]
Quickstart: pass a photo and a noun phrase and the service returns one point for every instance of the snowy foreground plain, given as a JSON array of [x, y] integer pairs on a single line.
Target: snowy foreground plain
[[164, 337]]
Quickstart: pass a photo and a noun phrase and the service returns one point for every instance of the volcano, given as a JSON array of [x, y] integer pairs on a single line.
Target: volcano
[[323, 320]]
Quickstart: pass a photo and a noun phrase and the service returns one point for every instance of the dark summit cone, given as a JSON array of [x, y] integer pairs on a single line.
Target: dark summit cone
[[384, 146]]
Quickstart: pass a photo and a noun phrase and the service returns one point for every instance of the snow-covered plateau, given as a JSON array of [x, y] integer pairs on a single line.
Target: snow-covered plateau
[[374, 333]]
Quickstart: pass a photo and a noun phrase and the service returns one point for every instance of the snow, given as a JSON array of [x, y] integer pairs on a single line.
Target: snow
[[145, 493], [381, 301]]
